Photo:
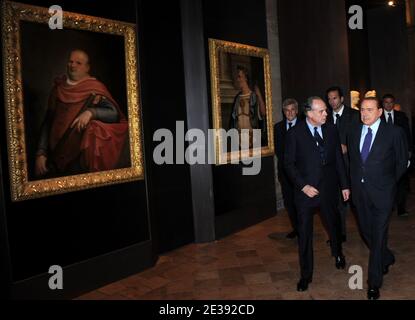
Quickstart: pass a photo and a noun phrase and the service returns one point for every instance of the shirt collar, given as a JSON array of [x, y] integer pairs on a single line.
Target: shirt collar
[[74, 83], [374, 126], [340, 112], [294, 121], [311, 126]]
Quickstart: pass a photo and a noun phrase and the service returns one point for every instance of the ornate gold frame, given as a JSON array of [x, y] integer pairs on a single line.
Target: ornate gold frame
[[229, 47], [21, 188]]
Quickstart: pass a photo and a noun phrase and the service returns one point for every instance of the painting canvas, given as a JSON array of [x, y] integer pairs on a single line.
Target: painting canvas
[[72, 102], [241, 99]]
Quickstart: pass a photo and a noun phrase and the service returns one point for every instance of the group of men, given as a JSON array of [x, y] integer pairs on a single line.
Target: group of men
[[335, 154]]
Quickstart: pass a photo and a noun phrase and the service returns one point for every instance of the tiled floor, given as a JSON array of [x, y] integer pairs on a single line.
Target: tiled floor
[[249, 265]]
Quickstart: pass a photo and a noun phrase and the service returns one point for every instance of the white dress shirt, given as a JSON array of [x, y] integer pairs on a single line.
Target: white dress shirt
[[294, 122], [340, 113], [311, 127], [386, 113], [374, 127]]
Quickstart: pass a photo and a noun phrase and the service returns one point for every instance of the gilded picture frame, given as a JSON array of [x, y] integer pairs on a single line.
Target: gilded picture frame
[[226, 60], [19, 19]]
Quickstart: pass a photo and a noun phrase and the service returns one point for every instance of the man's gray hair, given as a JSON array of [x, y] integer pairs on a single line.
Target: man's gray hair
[[310, 100], [289, 101]]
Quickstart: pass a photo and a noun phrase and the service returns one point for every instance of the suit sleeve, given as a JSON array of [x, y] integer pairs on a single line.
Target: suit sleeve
[[354, 120], [401, 153], [105, 111], [405, 126], [278, 142], [340, 167], [343, 134], [290, 164], [275, 140]]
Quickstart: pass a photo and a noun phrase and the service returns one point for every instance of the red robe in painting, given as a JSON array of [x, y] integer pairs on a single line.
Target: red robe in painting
[[99, 146]]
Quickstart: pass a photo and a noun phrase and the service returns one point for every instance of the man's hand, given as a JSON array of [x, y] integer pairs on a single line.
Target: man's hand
[[346, 194], [82, 120], [344, 148], [310, 191], [40, 166], [97, 99]]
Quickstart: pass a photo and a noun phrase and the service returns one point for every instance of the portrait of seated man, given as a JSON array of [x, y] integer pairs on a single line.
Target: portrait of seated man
[[84, 129]]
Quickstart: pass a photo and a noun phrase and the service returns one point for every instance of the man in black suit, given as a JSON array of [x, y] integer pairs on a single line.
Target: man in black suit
[[399, 119], [314, 163], [378, 157], [343, 118], [290, 109]]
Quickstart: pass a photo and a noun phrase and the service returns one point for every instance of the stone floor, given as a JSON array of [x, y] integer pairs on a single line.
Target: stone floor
[[249, 265]]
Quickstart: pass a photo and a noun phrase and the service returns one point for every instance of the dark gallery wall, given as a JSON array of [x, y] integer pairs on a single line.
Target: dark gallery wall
[[379, 54], [360, 79], [313, 47], [164, 100], [240, 201], [76, 227], [388, 46], [103, 234], [5, 266], [411, 46]]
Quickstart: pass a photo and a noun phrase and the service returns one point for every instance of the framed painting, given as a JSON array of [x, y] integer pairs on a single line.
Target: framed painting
[[241, 101], [72, 102]]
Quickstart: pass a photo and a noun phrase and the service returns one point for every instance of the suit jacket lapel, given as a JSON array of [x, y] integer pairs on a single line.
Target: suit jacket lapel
[[376, 142], [346, 114], [343, 117], [330, 117], [311, 137], [378, 139], [325, 135], [284, 128], [397, 120], [358, 136]]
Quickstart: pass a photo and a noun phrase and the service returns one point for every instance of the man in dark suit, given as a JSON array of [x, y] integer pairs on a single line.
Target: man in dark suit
[[343, 118], [378, 157], [313, 161], [290, 109], [398, 118]]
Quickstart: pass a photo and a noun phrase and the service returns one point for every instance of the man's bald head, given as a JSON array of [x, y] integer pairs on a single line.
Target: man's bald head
[[81, 52], [78, 65]]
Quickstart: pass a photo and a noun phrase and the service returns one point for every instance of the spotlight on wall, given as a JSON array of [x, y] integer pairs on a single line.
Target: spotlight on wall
[[391, 3]]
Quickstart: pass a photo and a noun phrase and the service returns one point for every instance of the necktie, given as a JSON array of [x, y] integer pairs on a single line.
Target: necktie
[[290, 124], [320, 145], [389, 118], [366, 145], [317, 137], [337, 119]]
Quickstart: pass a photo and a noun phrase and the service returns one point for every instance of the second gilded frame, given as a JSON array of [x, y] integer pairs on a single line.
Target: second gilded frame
[[241, 98], [72, 102]]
